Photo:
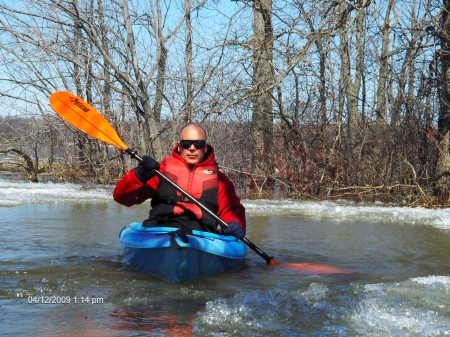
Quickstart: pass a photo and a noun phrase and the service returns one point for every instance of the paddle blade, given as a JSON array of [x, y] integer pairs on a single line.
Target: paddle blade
[[80, 114], [311, 268], [317, 268]]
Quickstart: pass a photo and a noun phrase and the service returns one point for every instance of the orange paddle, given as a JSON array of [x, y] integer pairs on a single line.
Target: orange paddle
[[84, 117]]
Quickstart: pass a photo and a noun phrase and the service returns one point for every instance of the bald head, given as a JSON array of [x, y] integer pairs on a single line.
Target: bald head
[[192, 153], [193, 132]]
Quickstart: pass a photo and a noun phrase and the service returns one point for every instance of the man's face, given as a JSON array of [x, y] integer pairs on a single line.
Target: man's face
[[192, 155]]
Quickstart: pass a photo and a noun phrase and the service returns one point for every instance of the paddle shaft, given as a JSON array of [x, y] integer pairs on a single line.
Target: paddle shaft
[[204, 208]]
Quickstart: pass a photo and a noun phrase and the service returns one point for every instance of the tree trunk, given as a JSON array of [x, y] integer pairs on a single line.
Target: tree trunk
[[353, 88], [160, 81], [189, 90], [150, 116], [381, 109], [262, 114], [322, 67], [443, 161], [410, 99], [80, 139], [27, 164], [106, 87], [382, 79]]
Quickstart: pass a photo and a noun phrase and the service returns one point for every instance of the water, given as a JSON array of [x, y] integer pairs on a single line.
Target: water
[[60, 240]]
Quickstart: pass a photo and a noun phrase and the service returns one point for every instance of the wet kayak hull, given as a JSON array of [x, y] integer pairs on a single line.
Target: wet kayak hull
[[162, 252]]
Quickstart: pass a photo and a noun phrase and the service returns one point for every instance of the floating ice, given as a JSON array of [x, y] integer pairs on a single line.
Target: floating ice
[[343, 210], [16, 193]]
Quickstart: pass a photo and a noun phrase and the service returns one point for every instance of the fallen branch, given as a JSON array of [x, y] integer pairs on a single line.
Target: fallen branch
[[27, 163]]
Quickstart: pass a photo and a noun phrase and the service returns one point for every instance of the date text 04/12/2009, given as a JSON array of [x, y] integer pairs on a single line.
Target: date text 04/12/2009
[[64, 300]]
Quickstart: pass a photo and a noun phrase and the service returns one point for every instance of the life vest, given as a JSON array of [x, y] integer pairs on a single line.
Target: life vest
[[201, 182]]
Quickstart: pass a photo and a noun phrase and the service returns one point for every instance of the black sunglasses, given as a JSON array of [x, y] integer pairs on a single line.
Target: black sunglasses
[[198, 144]]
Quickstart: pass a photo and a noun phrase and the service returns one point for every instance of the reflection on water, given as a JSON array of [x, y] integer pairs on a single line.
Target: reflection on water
[[169, 318], [66, 245]]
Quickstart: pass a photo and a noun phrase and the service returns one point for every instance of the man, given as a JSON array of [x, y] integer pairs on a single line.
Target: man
[[191, 166]]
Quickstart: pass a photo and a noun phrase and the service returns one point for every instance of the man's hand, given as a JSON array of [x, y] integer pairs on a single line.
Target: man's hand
[[146, 169], [235, 230]]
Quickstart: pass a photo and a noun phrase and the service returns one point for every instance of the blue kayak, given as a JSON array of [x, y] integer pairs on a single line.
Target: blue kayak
[[178, 256]]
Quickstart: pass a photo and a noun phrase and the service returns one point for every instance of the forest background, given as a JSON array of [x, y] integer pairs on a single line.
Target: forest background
[[301, 99]]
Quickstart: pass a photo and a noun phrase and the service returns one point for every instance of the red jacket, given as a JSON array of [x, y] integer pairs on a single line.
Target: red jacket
[[131, 191]]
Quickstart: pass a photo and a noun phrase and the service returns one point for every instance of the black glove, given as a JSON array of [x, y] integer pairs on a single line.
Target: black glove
[[146, 169], [234, 229]]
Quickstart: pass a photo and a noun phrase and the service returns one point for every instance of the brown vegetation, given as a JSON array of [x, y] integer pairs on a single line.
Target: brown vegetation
[[395, 165]]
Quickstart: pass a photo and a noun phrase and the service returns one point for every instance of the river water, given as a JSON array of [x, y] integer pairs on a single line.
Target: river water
[[61, 240]]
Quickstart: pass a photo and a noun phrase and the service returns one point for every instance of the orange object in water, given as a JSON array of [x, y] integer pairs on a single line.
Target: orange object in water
[[312, 268]]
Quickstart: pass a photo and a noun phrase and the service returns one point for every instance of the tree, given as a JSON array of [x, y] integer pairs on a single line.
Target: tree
[[384, 63], [443, 162], [263, 78], [189, 85], [352, 84]]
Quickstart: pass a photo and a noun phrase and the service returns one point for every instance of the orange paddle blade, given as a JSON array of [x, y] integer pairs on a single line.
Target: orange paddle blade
[[317, 268], [312, 268], [80, 114]]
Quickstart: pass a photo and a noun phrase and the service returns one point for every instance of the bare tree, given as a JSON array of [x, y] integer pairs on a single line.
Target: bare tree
[[189, 88], [382, 82], [352, 84], [443, 162], [263, 78]]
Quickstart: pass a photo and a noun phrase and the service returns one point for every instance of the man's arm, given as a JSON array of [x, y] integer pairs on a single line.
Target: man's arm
[[131, 191], [229, 207]]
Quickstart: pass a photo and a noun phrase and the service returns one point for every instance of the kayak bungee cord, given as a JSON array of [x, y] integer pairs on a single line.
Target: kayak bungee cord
[[80, 114]]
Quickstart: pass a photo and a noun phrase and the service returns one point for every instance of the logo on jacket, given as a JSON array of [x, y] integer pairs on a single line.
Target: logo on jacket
[[209, 172]]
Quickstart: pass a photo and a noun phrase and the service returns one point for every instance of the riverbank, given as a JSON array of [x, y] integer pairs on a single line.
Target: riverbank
[[400, 194], [57, 173]]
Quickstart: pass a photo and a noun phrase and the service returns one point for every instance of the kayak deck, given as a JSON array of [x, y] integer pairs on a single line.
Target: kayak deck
[[162, 252]]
